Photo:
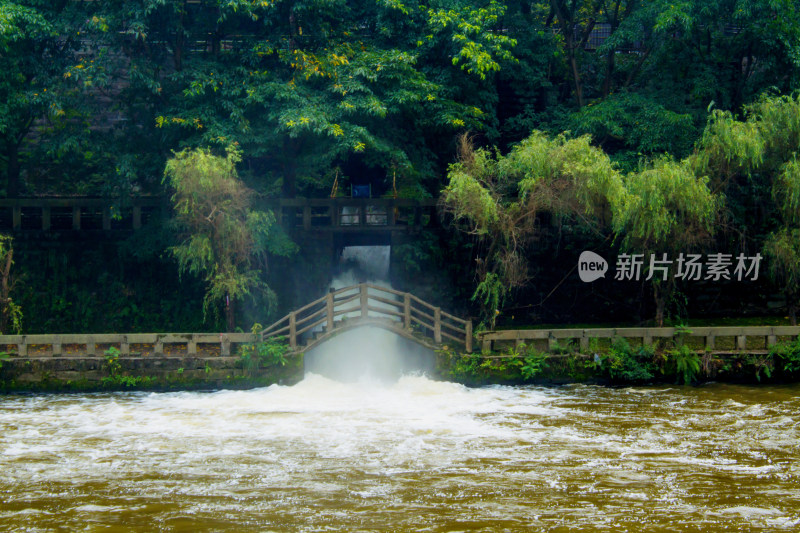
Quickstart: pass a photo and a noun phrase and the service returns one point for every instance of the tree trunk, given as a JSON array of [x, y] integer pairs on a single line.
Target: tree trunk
[[660, 299], [5, 289], [607, 82], [576, 78], [229, 321]]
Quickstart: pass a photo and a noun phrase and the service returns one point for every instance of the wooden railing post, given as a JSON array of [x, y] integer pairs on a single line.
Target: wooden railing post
[[437, 325], [76, 217], [741, 342], [407, 311], [710, 342], [306, 217], [22, 346], [225, 346], [292, 330], [16, 217], [362, 287], [647, 338], [329, 310], [468, 339], [772, 340]]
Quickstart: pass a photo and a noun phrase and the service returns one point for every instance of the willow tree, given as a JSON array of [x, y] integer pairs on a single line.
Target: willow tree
[[223, 238], [753, 162], [10, 312], [665, 210], [498, 199]]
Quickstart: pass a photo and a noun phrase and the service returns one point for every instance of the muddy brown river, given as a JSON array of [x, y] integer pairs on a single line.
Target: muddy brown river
[[413, 455]]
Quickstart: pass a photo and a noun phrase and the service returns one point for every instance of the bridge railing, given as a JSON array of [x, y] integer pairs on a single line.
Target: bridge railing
[[344, 214], [367, 301], [79, 213]]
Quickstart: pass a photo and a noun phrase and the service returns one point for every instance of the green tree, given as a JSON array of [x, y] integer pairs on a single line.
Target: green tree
[[500, 199], [224, 239], [28, 48], [753, 162], [10, 312], [666, 210]]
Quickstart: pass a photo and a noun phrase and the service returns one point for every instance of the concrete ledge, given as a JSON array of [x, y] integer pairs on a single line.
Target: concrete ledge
[[767, 335], [187, 343]]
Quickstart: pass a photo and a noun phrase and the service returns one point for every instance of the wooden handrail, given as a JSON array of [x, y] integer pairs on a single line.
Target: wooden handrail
[[373, 302], [422, 314], [421, 323], [423, 302], [347, 299], [311, 326], [453, 318], [348, 310], [384, 289], [384, 311], [310, 305], [387, 301], [309, 317]]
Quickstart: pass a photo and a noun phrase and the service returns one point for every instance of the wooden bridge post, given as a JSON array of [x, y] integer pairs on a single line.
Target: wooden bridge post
[[329, 310], [468, 338], [362, 287], [292, 330], [406, 311], [437, 325]]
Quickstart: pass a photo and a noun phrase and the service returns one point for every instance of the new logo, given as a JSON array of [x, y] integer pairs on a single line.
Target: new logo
[[591, 267]]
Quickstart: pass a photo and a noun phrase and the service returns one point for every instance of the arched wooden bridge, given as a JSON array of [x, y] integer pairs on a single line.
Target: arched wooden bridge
[[370, 305]]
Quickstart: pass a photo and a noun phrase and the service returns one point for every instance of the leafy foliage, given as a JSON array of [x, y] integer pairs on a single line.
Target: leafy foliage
[[629, 364], [498, 198], [787, 356], [10, 311], [271, 352], [686, 363], [223, 237]]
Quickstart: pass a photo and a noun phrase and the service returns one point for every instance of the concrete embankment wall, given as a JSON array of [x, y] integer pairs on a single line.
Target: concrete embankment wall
[[136, 361]]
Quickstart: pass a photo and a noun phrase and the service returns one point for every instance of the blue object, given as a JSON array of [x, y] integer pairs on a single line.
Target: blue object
[[361, 191]]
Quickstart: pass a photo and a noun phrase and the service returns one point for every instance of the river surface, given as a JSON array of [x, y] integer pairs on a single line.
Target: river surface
[[414, 455]]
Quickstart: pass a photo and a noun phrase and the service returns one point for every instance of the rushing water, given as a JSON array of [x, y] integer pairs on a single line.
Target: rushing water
[[415, 455]]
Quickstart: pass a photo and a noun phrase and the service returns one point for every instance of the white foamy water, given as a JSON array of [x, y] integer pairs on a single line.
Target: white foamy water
[[416, 454]]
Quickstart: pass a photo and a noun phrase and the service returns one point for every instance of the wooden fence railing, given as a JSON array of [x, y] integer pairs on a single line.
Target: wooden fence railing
[[78, 213], [365, 301], [326, 214], [353, 214], [749, 338]]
